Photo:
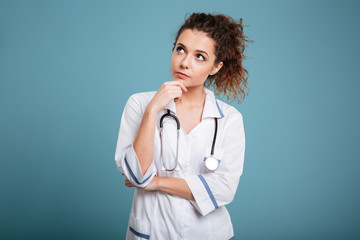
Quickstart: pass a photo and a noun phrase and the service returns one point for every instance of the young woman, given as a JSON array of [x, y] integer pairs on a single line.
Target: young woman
[[182, 148]]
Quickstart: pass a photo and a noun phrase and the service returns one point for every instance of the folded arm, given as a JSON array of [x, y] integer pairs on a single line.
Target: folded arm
[[210, 190], [135, 145]]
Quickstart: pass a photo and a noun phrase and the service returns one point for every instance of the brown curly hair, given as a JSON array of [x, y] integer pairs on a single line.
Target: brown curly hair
[[229, 38]]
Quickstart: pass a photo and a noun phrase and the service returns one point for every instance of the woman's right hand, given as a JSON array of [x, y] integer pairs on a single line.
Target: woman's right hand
[[168, 91]]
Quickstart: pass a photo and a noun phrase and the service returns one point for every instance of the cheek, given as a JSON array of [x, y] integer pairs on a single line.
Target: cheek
[[201, 69], [173, 61], [173, 65]]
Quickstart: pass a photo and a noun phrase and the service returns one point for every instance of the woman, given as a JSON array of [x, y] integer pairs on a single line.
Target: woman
[[185, 178]]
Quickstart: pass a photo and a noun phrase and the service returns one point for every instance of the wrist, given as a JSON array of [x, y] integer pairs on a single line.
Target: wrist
[[157, 183], [151, 110]]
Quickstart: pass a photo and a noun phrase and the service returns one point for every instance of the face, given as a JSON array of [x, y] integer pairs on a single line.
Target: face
[[193, 58]]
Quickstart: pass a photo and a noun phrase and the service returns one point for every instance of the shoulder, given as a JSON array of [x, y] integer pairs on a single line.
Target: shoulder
[[142, 98], [233, 123], [139, 101], [230, 112]]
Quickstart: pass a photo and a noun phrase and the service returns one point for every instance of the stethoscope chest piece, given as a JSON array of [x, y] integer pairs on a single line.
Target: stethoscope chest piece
[[211, 163]]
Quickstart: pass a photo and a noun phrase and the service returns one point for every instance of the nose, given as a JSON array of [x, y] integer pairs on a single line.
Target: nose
[[185, 62]]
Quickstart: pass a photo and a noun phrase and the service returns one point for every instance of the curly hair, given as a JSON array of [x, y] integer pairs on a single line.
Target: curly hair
[[231, 79]]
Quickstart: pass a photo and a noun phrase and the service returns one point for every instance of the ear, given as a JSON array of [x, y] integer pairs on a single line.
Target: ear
[[216, 68]]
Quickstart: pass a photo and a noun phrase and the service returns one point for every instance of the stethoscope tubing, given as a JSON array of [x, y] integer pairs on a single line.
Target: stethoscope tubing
[[168, 114]]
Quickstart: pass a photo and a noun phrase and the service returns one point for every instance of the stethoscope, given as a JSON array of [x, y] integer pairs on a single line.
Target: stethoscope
[[211, 162]]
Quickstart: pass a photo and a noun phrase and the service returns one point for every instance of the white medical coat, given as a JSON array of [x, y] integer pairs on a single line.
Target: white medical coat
[[161, 216]]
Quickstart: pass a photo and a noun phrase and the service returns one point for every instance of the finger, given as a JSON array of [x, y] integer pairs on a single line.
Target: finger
[[176, 92], [128, 183], [180, 83], [177, 95]]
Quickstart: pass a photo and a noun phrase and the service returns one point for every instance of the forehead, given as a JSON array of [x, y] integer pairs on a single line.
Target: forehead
[[197, 40]]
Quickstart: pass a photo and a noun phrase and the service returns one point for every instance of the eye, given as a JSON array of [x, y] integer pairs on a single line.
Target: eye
[[200, 57], [178, 49]]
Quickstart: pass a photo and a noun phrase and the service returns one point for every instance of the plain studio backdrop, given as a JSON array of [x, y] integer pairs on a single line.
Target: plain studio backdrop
[[68, 67]]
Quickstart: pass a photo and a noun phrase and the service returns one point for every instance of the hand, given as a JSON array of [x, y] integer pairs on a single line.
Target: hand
[[128, 183], [167, 92], [152, 186]]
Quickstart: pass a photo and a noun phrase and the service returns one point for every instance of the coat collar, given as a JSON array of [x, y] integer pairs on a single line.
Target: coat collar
[[211, 108]]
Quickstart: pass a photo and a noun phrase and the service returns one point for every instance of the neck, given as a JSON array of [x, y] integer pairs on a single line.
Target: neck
[[194, 97]]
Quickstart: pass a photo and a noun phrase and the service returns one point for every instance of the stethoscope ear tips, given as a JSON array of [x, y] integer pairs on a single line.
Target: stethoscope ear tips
[[211, 163]]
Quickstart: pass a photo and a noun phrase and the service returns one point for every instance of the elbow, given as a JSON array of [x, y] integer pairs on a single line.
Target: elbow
[[229, 191], [128, 163], [141, 183], [230, 198], [136, 176], [229, 194]]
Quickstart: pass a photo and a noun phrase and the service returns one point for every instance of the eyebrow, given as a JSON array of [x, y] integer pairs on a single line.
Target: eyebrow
[[195, 50]]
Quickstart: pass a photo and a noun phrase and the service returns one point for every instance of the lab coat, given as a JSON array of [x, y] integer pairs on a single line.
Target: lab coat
[[161, 216]]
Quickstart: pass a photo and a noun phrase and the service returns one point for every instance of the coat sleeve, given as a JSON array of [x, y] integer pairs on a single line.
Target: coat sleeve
[[125, 156], [217, 188]]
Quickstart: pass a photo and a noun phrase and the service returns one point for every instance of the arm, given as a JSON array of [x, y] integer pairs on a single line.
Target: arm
[[133, 124], [175, 186], [144, 141], [170, 185], [213, 189], [135, 147]]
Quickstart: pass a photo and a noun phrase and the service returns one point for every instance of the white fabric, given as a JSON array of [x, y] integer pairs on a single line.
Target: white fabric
[[157, 215]]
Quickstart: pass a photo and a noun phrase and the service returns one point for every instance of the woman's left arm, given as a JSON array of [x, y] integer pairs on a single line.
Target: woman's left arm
[[170, 185], [213, 189]]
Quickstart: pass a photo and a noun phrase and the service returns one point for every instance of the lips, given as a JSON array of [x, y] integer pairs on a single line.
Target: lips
[[182, 75]]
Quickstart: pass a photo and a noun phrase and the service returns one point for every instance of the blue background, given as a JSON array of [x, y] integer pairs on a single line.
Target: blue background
[[68, 67]]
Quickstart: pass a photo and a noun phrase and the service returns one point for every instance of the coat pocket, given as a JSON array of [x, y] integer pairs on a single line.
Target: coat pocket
[[139, 229]]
